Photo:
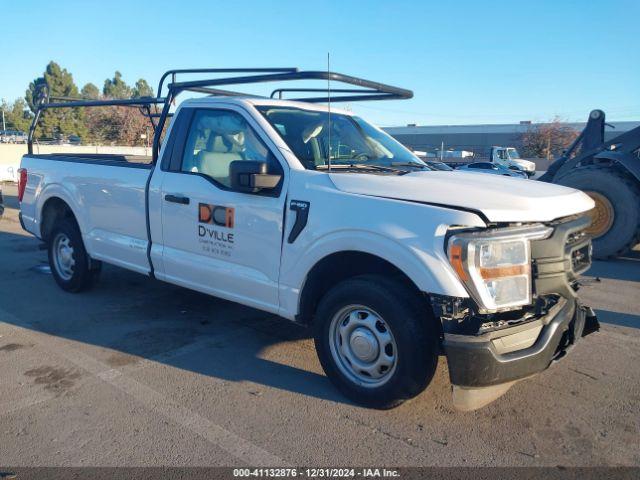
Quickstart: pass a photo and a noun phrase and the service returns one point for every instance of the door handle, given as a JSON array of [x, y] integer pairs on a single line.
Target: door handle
[[177, 199]]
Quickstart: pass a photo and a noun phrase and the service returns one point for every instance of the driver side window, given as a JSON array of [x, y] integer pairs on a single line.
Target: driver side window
[[218, 137]]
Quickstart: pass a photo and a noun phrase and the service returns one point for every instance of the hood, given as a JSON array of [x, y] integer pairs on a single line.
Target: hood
[[498, 198], [526, 164]]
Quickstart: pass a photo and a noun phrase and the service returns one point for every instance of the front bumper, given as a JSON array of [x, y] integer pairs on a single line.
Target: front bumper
[[496, 357], [524, 345]]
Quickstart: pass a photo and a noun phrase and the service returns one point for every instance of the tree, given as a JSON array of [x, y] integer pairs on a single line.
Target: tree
[[106, 125], [16, 115], [116, 87], [142, 89], [547, 140], [35, 87], [117, 125], [90, 91], [59, 83]]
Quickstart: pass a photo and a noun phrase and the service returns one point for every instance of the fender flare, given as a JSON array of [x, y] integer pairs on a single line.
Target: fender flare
[[57, 190]]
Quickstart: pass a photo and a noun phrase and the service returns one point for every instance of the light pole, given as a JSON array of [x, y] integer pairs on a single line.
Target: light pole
[[3, 125]]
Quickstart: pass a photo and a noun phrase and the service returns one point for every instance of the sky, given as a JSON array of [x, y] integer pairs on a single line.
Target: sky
[[467, 62]]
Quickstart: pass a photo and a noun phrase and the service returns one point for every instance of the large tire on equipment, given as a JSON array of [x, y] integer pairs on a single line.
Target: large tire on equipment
[[376, 340], [71, 266], [615, 226]]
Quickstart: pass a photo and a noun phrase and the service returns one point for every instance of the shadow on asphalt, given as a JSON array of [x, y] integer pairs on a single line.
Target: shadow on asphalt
[[138, 318], [620, 319], [625, 268]]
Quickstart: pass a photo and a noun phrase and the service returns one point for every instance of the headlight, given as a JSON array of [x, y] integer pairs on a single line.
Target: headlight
[[495, 265]]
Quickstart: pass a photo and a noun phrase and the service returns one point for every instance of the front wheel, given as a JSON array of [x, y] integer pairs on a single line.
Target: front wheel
[[376, 341]]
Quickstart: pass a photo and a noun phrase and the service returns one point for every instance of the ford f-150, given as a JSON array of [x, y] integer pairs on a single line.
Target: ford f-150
[[311, 213]]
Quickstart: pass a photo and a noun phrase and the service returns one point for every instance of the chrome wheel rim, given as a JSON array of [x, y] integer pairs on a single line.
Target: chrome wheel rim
[[363, 346], [63, 260]]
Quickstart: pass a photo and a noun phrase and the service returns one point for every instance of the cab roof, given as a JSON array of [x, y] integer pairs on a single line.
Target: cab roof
[[259, 101]]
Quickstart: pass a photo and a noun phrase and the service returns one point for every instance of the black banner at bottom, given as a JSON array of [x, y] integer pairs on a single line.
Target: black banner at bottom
[[405, 473]]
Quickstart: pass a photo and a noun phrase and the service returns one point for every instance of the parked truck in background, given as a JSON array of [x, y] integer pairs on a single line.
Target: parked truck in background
[[453, 154], [12, 136], [507, 157], [313, 214], [510, 158]]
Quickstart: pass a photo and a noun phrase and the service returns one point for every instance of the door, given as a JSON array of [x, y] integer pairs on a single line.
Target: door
[[215, 239], [501, 157]]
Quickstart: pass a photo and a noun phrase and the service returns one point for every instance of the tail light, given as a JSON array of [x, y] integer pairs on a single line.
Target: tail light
[[22, 182]]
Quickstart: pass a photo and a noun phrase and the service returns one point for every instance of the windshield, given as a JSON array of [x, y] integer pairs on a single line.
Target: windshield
[[513, 153], [351, 140]]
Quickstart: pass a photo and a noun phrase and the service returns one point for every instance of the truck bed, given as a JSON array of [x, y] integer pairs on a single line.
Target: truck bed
[[112, 160], [106, 193]]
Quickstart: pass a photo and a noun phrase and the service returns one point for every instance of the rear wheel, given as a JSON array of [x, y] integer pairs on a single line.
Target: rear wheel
[[71, 267], [615, 219], [376, 341]]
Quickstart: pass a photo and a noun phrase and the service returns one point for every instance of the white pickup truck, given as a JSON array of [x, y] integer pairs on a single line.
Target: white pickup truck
[[510, 158], [315, 215]]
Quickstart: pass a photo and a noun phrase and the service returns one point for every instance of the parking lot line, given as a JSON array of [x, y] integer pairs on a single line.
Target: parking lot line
[[25, 402], [240, 448]]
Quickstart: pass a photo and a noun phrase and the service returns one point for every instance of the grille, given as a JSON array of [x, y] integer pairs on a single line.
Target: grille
[[559, 259], [581, 259]]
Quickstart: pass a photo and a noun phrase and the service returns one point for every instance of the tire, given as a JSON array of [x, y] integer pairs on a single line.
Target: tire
[[405, 324], [73, 270], [616, 196]]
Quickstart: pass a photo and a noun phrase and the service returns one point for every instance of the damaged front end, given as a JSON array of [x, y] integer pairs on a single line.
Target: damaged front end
[[488, 351]]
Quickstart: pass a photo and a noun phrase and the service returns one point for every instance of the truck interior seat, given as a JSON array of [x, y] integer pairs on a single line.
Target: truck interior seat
[[215, 160]]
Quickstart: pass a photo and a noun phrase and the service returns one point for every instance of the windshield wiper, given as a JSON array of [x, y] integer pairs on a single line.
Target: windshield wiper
[[362, 166], [410, 164]]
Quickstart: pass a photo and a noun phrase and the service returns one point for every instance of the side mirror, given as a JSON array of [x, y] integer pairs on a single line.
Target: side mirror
[[251, 176]]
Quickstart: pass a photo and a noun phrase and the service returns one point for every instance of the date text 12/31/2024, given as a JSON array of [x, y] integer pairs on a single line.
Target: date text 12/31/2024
[[317, 472]]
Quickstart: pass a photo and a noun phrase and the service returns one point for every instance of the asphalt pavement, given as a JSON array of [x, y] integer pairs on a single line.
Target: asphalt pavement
[[141, 373]]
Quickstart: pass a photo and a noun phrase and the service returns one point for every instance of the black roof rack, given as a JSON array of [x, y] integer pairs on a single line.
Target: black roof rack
[[144, 104], [366, 90], [369, 90], [191, 71]]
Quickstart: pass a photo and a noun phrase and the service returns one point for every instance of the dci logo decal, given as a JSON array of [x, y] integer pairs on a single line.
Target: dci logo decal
[[216, 215], [213, 240]]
